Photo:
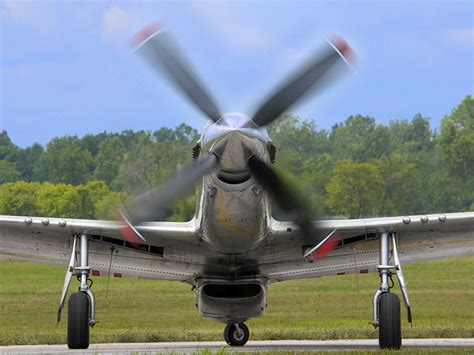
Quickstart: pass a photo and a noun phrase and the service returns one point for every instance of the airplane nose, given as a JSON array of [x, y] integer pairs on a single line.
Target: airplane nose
[[234, 150]]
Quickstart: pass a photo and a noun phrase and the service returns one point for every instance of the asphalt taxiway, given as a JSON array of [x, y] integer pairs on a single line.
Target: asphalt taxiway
[[252, 346]]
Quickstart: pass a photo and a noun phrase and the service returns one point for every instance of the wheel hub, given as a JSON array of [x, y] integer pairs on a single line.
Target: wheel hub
[[238, 334]]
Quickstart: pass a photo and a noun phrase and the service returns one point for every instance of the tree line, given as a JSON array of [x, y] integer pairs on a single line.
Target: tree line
[[357, 168]]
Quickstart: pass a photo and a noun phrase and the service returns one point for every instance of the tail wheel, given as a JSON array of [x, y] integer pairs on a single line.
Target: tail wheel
[[390, 330], [78, 321], [236, 336]]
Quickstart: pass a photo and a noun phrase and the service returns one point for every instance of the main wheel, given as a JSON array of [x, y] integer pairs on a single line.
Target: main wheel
[[78, 321], [390, 329], [234, 337]]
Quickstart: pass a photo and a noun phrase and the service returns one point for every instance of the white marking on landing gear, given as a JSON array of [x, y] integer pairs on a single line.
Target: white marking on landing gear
[[251, 346]]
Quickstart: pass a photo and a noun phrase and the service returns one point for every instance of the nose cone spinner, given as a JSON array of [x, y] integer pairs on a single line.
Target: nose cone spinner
[[234, 150]]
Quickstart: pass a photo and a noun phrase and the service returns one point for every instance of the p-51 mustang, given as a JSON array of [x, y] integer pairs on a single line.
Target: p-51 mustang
[[233, 248]]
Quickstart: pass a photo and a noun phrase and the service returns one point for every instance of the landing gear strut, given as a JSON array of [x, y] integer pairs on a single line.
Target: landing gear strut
[[386, 304], [81, 305], [236, 334]]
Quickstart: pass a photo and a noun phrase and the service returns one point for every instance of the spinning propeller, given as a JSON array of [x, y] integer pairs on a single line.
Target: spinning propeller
[[156, 45]]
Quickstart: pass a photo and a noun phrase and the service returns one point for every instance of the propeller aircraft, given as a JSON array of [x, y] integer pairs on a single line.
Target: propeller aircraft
[[233, 249]]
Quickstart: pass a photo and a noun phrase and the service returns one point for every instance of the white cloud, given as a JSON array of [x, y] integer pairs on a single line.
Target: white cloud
[[234, 29], [42, 16], [245, 30], [462, 37], [118, 24], [19, 10]]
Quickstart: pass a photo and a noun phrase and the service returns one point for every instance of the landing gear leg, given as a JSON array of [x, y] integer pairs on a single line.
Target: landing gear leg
[[236, 334], [81, 305], [386, 304]]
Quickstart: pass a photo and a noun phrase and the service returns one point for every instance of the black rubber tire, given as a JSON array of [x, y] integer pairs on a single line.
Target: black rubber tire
[[226, 334], [390, 329], [230, 335], [78, 321]]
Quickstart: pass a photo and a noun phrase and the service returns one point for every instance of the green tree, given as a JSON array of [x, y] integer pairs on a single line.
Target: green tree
[[448, 193], [316, 176], [130, 138], [27, 158], [355, 189], [8, 172], [19, 198], [412, 136], [398, 178], [456, 142], [296, 140], [8, 150], [58, 200], [186, 134], [92, 200], [91, 142], [456, 139], [183, 210], [150, 162], [64, 162], [164, 134], [396, 169], [359, 139], [106, 207], [90, 194], [108, 160]]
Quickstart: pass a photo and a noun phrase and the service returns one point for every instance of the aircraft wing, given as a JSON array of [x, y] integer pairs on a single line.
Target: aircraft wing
[[162, 256], [420, 237]]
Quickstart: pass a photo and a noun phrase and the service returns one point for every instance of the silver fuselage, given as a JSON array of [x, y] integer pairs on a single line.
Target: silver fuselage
[[233, 215], [233, 210]]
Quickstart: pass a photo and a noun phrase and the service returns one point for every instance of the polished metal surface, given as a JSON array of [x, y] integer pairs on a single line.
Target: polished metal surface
[[384, 264], [84, 264], [67, 278], [401, 278], [231, 122], [384, 270]]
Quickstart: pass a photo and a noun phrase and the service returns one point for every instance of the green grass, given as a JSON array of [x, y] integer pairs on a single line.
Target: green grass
[[440, 351], [442, 296]]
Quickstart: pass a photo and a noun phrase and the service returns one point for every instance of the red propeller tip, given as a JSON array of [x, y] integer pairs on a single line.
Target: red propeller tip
[[129, 235], [145, 33], [343, 47], [326, 248], [126, 231]]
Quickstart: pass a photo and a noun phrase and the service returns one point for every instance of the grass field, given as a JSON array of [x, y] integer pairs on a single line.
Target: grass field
[[442, 296]]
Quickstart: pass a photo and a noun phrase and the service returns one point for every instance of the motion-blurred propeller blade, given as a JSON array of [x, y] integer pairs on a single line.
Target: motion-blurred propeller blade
[[286, 199], [317, 72], [152, 205], [157, 46]]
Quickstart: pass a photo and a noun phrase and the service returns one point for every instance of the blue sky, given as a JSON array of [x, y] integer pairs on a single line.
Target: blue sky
[[66, 67]]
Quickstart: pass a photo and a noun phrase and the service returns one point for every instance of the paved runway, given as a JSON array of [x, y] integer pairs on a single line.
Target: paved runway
[[252, 346]]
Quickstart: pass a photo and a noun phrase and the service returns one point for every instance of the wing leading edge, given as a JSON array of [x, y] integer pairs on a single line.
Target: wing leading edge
[[50, 240], [420, 237]]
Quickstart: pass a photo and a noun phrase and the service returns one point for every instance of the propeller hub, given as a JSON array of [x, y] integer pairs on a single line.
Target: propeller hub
[[234, 150]]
